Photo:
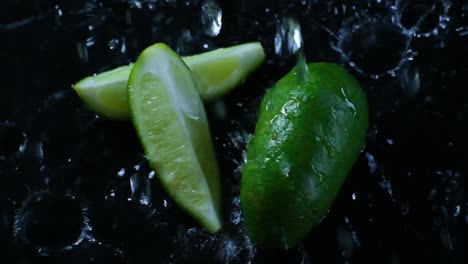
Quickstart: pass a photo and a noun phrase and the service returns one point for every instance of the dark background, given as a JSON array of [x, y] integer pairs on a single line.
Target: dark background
[[74, 186]]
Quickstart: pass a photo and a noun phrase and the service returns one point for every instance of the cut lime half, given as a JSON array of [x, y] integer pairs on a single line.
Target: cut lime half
[[215, 73], [171, 122]]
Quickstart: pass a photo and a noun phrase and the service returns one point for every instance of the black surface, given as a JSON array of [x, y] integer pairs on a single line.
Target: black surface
[[60, 191]]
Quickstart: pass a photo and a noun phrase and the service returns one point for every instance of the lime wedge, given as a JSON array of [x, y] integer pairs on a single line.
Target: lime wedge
[[171, 122], [215, 73], [219, 71], [106, 93]]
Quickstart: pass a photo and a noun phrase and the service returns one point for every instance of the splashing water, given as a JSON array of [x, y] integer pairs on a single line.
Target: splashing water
[[288, 38], [374, 48], [52, 223], [422, 18]]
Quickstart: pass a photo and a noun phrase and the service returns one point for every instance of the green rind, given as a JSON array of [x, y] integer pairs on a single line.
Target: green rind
[[177, 145], [106, 93], [307, 138]]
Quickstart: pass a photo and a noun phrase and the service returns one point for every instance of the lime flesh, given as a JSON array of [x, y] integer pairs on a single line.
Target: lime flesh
[[171, 122]]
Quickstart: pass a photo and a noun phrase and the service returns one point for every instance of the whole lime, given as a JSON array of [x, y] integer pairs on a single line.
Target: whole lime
[[311, 128]]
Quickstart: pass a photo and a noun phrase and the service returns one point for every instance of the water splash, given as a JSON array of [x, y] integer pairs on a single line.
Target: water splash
[[230, 246], [447, 202], [51, 223], [240, 140], [288, 37], [422, 18], [302, 69], [373, 47]]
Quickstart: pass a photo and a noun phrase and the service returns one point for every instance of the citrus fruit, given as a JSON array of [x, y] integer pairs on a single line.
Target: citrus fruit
[[309, 133], [215, 73], [171, 122]]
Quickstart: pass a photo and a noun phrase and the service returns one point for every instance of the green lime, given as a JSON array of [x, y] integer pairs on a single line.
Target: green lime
[[215, 73], [171, 122], [311, 128]]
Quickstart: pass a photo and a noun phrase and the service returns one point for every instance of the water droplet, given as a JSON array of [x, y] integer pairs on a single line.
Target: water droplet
[[135, 4], [82, 50], [409, 79], [462, 31], [121, 172], [385, 184], [288, 37], [331, 150], [192, 116], [305, 258], [90, 42], [58, 11], [457, 211], [113, 43], [371, 162], [141, 188], [301, 67], [348, 103], [240, 138], [346, 241], [211, 18]]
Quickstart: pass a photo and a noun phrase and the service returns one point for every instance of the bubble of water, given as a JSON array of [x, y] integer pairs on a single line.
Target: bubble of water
[[50, 222], [373, 47], [211, 18], [422, 18]]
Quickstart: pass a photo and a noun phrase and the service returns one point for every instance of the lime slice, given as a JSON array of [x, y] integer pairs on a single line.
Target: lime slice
[[219, 71], [171, 122], [106, 93], [215, 73]]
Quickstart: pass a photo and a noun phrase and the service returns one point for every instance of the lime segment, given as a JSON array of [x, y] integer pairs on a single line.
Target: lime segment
[[106, 93], [171, 122], [219, 71], [215, 73]]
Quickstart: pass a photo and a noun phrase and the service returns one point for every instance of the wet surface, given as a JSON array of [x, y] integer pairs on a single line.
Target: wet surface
[[77, 186]]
